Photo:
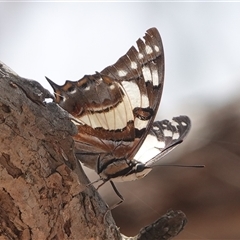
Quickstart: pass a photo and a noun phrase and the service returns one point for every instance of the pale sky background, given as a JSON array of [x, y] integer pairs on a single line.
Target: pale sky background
[[68, 40]]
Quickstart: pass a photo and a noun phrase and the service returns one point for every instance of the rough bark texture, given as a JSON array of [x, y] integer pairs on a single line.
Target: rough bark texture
[[43, 193]]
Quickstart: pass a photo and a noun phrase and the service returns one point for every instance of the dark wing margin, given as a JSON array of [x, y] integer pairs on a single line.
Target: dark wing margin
[[163, 137]]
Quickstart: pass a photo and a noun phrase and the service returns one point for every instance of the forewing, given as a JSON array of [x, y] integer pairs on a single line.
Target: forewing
[[163, 137], [140, 74]]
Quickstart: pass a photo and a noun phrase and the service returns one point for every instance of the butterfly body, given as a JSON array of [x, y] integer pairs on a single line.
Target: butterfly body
[[114, 112]]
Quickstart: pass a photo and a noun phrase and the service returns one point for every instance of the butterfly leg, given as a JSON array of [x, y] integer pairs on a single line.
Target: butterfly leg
[[118, 194], [114, 188], [91, 183], [104, 181], [116, 204]]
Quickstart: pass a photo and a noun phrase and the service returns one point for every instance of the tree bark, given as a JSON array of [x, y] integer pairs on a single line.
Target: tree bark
[[43, 192]]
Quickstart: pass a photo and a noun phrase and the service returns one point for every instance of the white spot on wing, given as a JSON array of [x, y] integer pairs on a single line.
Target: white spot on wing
[[132, 91], [87, 88], [145, 101], [148, 49], [167, 133], [123, 114], [146, 74], [175, 136], [74, 90], [155, 77], [140, 124], [122, 73], [133, 65], [140, 56], [183, 123], [112, 87], [156, 48]]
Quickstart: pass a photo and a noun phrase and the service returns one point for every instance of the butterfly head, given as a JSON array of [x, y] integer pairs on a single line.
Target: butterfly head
[[141, 170], [138, 171]]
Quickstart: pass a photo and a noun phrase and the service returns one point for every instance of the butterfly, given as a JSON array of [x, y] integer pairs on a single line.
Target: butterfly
[[114, 112]]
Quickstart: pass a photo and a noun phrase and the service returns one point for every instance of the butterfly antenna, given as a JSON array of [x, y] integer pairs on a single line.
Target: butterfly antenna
[[180, 165], [116, 204], [118, 194]]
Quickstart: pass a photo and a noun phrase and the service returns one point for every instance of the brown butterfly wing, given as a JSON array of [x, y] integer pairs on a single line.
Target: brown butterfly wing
[[115, 108]]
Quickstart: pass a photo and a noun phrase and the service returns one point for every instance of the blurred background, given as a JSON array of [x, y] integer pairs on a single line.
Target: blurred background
[[202, 53]]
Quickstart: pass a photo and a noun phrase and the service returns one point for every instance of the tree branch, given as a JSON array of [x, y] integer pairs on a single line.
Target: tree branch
[[43, 193]]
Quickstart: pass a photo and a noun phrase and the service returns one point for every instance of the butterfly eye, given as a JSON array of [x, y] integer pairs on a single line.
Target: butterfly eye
[[140, 167]]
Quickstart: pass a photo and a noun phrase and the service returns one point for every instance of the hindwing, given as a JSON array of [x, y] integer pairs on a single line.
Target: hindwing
[[162, 138]]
